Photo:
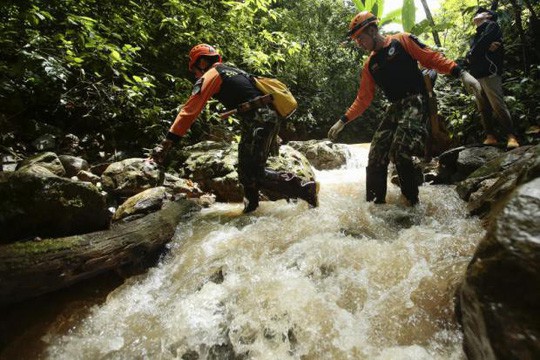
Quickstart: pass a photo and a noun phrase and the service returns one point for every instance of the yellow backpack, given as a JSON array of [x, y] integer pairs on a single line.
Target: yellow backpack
[[282, 98]]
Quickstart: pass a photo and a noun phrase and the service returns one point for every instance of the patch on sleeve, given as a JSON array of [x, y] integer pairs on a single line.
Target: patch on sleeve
[[417, 41], [197, 87]]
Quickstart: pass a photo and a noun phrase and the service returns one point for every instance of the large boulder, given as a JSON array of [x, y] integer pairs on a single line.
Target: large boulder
[[322, 154], [48, 160], [213, 166], [40, 204], [486, 186], [131, 176], [73, 164], [498, 300], [143, 203], [458, 163]]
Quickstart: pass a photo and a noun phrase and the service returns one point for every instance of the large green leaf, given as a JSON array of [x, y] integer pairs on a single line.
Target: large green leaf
[[408, 14], [359, 5], [393, 16]]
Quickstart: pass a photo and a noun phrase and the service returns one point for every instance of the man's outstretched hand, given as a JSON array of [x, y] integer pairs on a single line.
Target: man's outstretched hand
[[335, 130]]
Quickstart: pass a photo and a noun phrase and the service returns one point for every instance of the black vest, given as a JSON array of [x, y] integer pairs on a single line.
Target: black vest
[[236, 87], [396, 72]]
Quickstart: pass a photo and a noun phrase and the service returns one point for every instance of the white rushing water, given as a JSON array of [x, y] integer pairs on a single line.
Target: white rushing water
[[347, 280]]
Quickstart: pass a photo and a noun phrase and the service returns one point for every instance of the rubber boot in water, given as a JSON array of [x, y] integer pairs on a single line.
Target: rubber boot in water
[[408, 182], [309, 193], [251, 199], [376, 184]]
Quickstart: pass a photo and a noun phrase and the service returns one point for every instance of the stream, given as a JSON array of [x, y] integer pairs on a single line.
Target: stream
[[346, 280]]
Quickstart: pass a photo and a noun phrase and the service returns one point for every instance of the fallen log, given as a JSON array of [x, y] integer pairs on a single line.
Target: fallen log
[[32, 268]]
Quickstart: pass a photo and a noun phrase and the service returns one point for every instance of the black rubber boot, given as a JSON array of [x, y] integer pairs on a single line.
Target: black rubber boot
[[376, 184], [408, 182], [310, 191], [251, 199]]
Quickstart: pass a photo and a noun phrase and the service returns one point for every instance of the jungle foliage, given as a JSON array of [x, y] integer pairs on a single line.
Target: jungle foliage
[[115, 72]]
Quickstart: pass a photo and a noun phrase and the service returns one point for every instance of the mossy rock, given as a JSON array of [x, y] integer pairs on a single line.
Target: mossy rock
[[34, 205]]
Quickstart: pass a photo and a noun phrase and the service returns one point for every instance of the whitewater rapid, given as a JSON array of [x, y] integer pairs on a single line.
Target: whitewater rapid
[[347, 280]]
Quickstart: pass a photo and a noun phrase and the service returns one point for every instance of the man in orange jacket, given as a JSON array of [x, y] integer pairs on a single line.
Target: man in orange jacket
[[393, 66], [259, 123]]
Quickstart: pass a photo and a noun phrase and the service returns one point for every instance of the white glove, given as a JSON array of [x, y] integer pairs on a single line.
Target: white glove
[[335, 130], [471, 84]]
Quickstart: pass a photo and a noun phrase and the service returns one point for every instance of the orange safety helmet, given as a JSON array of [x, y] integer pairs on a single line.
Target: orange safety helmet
[[360, 22], [201, 50]]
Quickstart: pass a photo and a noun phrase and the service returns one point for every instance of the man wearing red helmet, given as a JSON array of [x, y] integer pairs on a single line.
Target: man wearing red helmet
[[259, 123], [393, 66]]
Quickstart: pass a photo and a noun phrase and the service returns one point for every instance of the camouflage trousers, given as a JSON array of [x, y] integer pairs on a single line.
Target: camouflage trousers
[[259, 131], [399, 137]]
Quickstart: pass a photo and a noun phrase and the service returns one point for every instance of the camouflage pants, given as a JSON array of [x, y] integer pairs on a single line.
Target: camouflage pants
[[259, 131], [400, 136]]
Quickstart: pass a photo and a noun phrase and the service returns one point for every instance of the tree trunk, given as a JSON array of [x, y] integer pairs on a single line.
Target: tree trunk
[[29, 269], [519, 24], [430, 19]]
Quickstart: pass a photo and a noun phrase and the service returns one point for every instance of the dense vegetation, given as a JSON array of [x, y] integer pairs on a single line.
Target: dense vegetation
[[114, 73]]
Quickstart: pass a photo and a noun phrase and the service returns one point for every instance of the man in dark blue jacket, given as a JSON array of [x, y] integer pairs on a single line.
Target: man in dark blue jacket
[[485, 60]]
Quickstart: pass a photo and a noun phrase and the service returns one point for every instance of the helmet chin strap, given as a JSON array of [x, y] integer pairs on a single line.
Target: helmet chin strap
[[375, 41], [201, 69]]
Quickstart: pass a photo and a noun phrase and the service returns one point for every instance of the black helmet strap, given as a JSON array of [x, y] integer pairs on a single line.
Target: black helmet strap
[[361, 25]]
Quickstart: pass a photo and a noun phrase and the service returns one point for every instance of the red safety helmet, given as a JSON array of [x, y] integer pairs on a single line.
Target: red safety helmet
[[201, 50], [360, 22]]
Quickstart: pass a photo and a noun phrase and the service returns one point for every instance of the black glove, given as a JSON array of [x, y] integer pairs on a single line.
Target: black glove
[[160, 152]]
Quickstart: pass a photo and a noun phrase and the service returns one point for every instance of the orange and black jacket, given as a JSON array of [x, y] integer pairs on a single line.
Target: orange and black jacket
[[229, 85], [394, 68]]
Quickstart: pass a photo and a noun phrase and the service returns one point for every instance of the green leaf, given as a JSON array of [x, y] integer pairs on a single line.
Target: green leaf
[[115, 55], [408, 15], [392, 17], [359, 5]]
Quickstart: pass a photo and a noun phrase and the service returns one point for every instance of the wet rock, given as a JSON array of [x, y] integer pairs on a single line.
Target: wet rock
[[498, 300], [323, 155], [486, 186], [473, 158], [458, 163], [42, 204], [206, 200], [100, 168], [483, 186], [143, 203], [8, 162], [45, 142], [88, 177], [176, 185], [36, 169], [73, 165], [48, 160], [213, 166], [291, 160], [131, 176], [70, 144]]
